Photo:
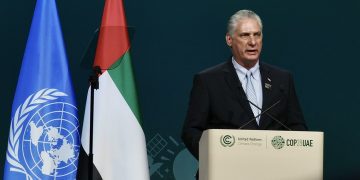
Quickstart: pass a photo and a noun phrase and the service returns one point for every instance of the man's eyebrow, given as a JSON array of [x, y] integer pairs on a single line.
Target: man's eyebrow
[[248, 33]]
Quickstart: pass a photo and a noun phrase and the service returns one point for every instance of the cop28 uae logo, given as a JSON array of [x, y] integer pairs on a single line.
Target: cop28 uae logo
[[44, 137], [227, 140], [278, 142]]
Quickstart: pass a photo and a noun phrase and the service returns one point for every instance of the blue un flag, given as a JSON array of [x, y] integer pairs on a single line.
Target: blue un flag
[[44, 138]]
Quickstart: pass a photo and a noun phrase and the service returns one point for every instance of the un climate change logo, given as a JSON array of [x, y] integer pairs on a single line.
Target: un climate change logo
[[227, 140], [278, 142], [49, 144]]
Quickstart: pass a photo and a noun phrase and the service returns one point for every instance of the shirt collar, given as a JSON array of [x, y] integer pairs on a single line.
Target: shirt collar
[[242, 70]]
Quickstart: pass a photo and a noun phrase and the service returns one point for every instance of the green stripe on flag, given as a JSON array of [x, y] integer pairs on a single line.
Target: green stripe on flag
[[123, 76]]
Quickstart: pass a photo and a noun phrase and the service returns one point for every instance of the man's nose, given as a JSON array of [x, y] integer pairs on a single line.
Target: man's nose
[[252, 41]]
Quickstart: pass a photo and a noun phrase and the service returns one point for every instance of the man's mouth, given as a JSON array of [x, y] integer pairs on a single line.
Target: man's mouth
[[252, 51]]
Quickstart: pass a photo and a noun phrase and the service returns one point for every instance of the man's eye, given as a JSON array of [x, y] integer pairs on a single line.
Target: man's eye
[[244, 35]]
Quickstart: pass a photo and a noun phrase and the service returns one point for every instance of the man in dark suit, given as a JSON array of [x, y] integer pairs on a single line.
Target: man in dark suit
[[232, 95]]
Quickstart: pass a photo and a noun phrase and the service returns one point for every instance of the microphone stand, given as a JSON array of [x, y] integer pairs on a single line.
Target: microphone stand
[[265, 112], [94, 84]]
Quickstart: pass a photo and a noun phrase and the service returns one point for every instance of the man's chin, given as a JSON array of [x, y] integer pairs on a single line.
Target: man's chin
[[253, 59], [249, 63]]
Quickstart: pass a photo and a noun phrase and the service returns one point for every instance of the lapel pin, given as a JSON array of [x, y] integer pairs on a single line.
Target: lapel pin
[[267, 86]]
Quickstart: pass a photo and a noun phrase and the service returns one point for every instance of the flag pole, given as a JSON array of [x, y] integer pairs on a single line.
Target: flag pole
[[94, 84]]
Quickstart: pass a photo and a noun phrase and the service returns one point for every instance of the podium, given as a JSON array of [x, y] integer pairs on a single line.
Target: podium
[[260, 155]]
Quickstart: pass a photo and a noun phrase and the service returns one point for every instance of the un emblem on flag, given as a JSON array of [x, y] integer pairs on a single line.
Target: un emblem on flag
[[50, 137]]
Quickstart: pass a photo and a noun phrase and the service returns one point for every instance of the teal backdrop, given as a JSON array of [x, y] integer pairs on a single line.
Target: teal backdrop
[[317, 40]]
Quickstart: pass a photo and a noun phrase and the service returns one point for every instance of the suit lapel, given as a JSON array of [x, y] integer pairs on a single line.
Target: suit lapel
[[266, 80], [235, 85]]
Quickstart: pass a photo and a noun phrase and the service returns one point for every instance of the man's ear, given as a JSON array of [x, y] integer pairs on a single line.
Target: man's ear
[[228, 39]]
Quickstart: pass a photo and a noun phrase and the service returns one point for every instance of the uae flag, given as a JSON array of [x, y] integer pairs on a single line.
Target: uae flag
[[119, 145]]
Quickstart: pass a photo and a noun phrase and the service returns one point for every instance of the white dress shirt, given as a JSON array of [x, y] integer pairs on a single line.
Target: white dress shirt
[[256, 79]]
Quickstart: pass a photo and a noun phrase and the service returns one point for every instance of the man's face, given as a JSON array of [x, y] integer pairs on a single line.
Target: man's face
[[246, 42]]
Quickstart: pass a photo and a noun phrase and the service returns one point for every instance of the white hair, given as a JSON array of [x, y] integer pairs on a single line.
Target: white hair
[[240, 15]]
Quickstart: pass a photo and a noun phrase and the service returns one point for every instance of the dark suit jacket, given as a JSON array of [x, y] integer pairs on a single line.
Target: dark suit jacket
[[218, 101]]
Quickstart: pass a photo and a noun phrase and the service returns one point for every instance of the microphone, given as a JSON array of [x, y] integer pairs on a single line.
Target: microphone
[[262, 112], [265, 112]]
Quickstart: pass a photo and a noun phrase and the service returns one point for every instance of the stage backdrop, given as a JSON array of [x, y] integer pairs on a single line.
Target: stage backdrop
[[317, 40]]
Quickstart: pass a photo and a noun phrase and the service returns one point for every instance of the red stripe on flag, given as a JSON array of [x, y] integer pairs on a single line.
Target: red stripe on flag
[[113, 38]]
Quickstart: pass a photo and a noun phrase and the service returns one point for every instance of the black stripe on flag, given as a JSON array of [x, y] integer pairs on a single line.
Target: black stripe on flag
[[83, 167]]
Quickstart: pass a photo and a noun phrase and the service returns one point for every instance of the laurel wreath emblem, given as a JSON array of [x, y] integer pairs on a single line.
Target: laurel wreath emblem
[[16, 126]]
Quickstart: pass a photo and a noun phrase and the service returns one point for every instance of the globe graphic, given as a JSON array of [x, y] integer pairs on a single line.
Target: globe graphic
[[50, 145]]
